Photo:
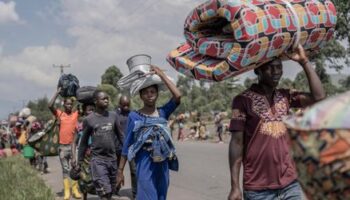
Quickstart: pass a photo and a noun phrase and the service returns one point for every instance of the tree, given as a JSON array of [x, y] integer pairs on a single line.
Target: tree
[[184, 84], [286, 83], [300, 82], [111, 76], [343, 21], [345, 84], [39, 108], [249, 81], [185, 105]]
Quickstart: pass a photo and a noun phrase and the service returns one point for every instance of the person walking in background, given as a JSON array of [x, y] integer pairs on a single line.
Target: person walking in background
[[219, 126], [123, 111], [27, 120], [171, 124], [104, 128], [85, 180], [68, 120], [259, 137], [87, 109], [149, 142], [181, 126], [202, 130]]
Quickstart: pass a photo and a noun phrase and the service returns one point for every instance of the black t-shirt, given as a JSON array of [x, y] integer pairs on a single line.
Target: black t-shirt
[[104, 130]]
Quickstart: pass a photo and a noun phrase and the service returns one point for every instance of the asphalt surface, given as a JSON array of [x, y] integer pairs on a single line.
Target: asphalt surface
[[203, 175]]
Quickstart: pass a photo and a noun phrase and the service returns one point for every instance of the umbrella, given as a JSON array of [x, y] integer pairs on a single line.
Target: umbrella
[[331, 113], [320, 141]]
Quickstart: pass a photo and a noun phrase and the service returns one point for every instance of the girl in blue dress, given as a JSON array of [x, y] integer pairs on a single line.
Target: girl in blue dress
[[149, 142]]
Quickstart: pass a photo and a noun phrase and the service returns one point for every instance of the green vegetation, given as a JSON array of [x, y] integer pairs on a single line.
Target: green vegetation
[[19, 181]]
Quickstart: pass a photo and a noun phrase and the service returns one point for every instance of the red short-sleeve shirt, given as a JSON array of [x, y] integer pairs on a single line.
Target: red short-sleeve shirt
[[267, 162]]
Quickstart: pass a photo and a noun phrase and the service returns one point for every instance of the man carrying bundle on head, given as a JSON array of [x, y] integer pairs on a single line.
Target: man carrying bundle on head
[[259, 137], [68, 120]]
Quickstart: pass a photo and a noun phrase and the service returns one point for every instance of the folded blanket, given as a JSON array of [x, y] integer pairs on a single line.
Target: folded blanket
[[228, 37]]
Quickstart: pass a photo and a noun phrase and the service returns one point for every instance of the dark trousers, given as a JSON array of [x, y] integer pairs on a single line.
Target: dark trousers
[[104, 174]]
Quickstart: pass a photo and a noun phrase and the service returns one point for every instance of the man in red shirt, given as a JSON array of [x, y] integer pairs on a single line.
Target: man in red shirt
[[259, 138], [68, 122]]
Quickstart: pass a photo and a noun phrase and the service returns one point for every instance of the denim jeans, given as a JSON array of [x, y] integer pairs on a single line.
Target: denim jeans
[[290, 192]]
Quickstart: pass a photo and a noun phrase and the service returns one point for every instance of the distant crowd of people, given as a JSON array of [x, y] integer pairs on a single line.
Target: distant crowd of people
[[14, 135], [199, 129]]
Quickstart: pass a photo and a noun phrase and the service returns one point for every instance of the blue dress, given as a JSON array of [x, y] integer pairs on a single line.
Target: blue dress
[[152, 177]]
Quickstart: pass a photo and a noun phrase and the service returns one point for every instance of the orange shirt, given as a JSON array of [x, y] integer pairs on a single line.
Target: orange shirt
[[68, 124]]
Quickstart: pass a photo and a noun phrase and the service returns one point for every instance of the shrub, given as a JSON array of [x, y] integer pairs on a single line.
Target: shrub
[[19, 181]]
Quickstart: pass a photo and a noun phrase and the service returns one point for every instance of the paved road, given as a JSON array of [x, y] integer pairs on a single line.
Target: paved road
[[203, 175]]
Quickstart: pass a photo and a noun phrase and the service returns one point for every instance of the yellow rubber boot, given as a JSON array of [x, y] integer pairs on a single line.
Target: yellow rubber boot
[[66, 184], [75, 190]]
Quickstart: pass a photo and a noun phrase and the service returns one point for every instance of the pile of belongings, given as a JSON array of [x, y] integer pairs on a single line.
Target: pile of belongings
[[69, 85], [320, 140], [225, 38], [140, 76]]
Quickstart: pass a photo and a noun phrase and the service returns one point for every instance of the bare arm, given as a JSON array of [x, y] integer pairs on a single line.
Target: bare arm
[[52, 102], [87, 130], [172, 87], [120, 175], [235, 161], [315, 84], [74, 149]]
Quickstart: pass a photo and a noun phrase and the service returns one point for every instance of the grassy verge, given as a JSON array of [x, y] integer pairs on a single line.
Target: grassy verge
[[19, 181]]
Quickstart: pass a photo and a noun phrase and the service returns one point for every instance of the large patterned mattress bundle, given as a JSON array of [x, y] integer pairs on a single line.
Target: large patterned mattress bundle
[[225, 38]]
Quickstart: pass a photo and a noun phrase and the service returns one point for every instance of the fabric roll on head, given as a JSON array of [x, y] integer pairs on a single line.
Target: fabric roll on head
[[227, 38]]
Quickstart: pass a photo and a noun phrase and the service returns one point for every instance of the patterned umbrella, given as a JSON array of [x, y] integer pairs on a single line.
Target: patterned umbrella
[[331, 113]]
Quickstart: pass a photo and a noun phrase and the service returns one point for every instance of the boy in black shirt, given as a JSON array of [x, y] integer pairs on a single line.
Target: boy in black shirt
[[103, 126]]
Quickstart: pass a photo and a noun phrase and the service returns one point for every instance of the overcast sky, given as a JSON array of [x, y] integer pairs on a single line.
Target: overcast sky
[[90, 35]]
